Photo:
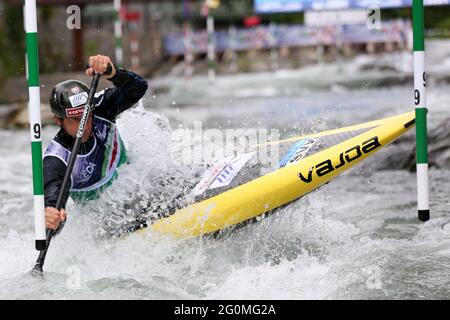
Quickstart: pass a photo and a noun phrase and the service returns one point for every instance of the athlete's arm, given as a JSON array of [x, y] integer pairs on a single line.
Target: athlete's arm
[[54, 170], [129, 88], [55, 219]]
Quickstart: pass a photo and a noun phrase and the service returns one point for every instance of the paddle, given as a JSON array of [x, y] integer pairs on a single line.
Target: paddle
[[38, 268]]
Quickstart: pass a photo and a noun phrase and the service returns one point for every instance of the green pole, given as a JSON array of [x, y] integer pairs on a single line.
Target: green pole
[[421, 111], [34, 111]]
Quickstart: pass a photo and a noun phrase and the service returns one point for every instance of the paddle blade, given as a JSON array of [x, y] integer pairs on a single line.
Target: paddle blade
[[37, 271]]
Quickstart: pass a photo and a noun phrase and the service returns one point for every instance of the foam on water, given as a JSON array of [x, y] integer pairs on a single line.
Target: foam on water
[[357, 237]]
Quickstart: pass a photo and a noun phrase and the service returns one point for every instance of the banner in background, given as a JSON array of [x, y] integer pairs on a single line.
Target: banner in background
[[264, 37], [272, 6], [335, 17]]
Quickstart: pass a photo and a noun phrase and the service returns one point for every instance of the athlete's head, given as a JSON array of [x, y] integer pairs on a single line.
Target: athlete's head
[[67, 102]]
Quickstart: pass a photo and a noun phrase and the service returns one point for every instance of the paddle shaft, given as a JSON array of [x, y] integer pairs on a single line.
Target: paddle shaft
[[67, 177]]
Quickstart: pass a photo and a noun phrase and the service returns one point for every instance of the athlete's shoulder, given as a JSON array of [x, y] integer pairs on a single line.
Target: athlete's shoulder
[[56, 150], [99, 120]]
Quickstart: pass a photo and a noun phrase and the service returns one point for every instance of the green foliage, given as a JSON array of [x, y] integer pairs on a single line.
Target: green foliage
[[13, 46], [437, 19], [233, 12], [284, 18], [12, 41], [47, 13], [51, 54], [91, 48]]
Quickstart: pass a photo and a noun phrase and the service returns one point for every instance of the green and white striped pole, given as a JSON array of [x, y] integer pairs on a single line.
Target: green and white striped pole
[[187, 41], [232, 35], [118, 32], [25, 29], [211, 49], [274, 58], [188, 55], [34, 110], [420, 101]]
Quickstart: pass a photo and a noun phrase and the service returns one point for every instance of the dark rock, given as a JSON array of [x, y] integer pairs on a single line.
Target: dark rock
[[7, 114], [401, 154], [15, 116]]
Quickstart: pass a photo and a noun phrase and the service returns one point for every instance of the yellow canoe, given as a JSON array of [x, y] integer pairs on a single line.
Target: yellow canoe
[[286, 184]]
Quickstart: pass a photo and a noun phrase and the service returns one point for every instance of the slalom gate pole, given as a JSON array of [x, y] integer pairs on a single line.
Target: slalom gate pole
[[211, 48], [274, 58], [232, 44], [38, 268], [25, 29], [420, 102], [34, 111], [187, 41], [118, 32], [134, 46]]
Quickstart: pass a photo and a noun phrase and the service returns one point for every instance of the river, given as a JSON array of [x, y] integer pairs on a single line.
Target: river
[[358, 237]]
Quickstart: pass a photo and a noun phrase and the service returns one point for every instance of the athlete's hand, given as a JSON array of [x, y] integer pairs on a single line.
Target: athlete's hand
[[53, 217], [99, 64]]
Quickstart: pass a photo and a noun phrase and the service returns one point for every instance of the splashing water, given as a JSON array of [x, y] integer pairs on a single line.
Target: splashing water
[[357, 237]]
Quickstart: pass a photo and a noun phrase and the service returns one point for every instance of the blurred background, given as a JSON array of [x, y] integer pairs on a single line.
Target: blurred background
[[171, 38], [295, 66]]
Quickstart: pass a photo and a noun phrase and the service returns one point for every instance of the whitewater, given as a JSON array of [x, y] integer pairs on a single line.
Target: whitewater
[[357, 237]]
